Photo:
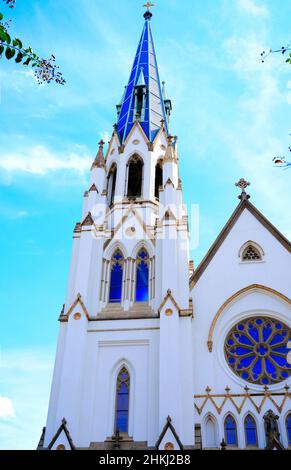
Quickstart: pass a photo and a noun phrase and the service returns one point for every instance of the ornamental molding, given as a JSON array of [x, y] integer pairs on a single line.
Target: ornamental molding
[[239, 400], [235, 296]]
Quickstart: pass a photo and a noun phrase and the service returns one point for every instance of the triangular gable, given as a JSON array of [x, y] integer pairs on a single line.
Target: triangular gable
[[88, 221], [161, 131], [168, 296], [62, 429], [129, 211], [182, 312], [136, 126], [170, 430], [65, 317], [117, 141], [244, 204]]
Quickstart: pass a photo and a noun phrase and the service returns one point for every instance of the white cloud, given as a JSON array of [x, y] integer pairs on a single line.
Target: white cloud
[[252, 8], [39, 160], [6, 408], [254, 139], [25, 376]]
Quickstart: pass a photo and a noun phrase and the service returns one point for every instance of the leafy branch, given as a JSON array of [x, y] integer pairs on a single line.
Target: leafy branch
[[283, 51], [46, 70]]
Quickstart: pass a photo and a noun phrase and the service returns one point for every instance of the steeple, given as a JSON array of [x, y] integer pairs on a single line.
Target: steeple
[[143, 98]]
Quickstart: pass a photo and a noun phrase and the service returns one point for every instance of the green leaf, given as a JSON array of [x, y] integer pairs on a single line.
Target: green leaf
[[1, 16], [2, 35], [1, 49], [9, 53], [19, 57], [8, 38], [27, 61], [17, 43]]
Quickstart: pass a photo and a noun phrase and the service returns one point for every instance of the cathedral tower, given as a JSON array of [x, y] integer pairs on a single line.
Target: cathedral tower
[[125, 329]]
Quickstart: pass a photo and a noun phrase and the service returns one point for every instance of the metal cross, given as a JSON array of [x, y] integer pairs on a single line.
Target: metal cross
[[148, 5], [242, 184]]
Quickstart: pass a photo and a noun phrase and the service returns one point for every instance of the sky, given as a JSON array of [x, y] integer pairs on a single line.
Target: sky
[[231, 114]]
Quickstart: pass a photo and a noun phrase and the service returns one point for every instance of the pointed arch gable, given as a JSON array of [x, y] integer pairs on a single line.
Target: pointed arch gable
[[234, 297], [129, 211], [111, 249], [142, 244]]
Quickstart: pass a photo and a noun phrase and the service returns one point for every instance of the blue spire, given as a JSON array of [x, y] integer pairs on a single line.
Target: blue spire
[[143, 98]]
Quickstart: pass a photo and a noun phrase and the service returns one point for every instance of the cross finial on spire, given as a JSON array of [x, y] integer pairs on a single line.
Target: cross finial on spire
[[242, 184], [148, 14]]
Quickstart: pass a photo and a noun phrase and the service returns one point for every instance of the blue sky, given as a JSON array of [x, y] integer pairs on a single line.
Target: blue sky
[[230, 112]]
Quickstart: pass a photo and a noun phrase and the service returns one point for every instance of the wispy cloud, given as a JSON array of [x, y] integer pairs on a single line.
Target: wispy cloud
[[6, 408], [253, 8], [40, 160], [25, 376]]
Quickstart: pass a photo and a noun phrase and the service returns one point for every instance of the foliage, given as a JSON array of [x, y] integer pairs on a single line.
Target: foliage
[[46, 70], [283, 51]]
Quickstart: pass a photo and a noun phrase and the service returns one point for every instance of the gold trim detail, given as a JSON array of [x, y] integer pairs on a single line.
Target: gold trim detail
[[233, 297], [77, 316], [169, 312], [239, 404], [65, 317]]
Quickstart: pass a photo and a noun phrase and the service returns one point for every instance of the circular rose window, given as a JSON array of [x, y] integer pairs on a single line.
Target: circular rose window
[[256, 350]]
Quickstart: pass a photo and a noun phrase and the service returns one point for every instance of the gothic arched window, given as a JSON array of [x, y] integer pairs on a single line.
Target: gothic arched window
[[142, 276], [251, 431], [288, 428], [210, 433], [122, 401], [111, 184], [115, 291], [256, 350], [135, 177], [230, 431], [251, 253], [158, 178]]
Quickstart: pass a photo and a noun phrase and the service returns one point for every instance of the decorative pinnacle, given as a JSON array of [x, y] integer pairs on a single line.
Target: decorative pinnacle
[[148, 14], [242, 184], [99, 161]]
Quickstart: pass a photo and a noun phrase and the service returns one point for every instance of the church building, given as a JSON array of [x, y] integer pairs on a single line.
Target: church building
[[154, 353]]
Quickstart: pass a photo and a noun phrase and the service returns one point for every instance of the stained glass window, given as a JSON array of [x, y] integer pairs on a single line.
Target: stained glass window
[[230, 431], [256, 350], [122, 401], [115, 291], [142, 276], [288, 428], [251, 431]]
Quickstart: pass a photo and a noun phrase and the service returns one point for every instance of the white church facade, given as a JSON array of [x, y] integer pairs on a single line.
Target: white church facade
[[152, 352]]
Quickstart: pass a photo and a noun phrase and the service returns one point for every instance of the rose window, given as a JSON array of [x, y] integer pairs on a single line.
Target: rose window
[[256, 350]]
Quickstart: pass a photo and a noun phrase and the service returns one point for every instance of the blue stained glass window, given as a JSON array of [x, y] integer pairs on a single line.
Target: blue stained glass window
[[251, 431], [256, 350], [230, 431], [122, 401], [115, 290], [142, 276], [288, 429]]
